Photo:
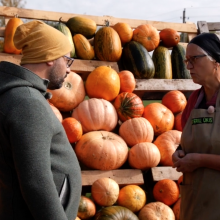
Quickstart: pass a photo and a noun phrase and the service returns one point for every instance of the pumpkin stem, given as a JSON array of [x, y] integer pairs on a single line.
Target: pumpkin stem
[[107, 23], [60, 20]]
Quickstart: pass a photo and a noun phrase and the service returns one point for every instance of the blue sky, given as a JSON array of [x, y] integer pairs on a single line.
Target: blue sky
[[156, 10]]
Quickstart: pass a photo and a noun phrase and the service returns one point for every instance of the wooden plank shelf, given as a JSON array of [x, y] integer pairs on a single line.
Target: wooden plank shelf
[[160, 173], [121, 176]]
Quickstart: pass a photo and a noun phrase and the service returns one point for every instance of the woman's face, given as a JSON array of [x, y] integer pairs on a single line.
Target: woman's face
[[201, 67]]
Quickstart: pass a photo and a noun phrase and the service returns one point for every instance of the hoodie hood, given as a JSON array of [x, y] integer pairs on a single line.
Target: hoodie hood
[[12, 75]]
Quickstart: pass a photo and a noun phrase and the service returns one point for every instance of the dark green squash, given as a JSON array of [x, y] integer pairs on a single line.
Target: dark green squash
[[115, 213], [137, 59], [179, 69], [66, 31], [162, 62]]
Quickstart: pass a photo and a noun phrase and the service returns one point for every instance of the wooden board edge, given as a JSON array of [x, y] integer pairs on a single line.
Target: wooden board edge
[[159, 173]]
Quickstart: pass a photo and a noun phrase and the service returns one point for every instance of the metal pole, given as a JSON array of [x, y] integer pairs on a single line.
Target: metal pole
[[184, 11]]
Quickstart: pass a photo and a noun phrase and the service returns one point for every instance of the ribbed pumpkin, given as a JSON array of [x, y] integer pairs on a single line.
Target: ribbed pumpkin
[[169, 37], [175, 101], [80, 25], [166, 191], [160, 117], [144, 156], [115, 213], [84, 49], [87, 208], [147, 35], [167, 144], [128, 105], [9, 33], [96, 114], [124, 31], [156, 210], [70, 94], [136, 130], [103, 82], [132, 197], [178, 122], [107, 44], [127, 81], [105, 191], [101, 150], [56, 112]]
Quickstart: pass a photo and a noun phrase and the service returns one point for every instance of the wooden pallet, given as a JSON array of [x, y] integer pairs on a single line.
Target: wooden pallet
[[205, 27]]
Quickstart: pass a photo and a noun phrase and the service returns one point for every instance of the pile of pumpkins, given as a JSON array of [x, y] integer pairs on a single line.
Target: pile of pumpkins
[[120, 43], [112, 128]]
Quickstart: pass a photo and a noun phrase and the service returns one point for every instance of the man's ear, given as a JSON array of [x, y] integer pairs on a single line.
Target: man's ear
[[50, 63]]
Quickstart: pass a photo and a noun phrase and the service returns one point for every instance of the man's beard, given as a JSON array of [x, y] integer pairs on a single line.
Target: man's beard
[[55, 81]]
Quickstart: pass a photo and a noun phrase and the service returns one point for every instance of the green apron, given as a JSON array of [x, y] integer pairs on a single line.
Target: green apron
[[200, 190]]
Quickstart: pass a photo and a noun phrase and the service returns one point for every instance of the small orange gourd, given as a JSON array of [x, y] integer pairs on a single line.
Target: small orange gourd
[[10, 29]]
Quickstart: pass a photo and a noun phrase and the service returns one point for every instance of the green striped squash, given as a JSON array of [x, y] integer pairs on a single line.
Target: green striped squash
[[66, 31], [162, 62], [137, 59], [178, 66]]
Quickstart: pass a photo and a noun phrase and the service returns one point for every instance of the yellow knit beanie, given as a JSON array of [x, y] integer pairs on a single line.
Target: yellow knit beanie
[[40, 42]]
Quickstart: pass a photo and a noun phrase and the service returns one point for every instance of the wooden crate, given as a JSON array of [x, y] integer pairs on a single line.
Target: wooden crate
[[149, 89]]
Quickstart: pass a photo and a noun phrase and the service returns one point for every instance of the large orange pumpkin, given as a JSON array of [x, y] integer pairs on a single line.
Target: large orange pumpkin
[[166, 191], [144, 156], [56, 112], [73, 129], [147, 35], [176, 209], [167, 144], [9, 33], [178, 122], [128, 105], [101, 150], [96, 114], [127, 81], [124, 31], [175, 101], [103, 82], [157, 211], [84, 49], [70, 94], [136, 130], [132, 197], [107, 44], [169, 37], [160, 117], [87, 208], [105, 191]]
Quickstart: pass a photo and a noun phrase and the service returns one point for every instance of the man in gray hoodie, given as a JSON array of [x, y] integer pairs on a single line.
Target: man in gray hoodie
[[40, 176]]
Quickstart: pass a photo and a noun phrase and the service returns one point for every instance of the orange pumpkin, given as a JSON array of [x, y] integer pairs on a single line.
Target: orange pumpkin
[[176, 209], [103, 82], [127, 81], [101, 150], [177, 122], [160, 117], [167, 144], [84, 49], [166, 191], [87, 208], [144, 156], [70, 94], [175, 101], [96, 114], [128, 105], [105, 191], [73, 129], [107, 44], [156, 210], [136, 130], [132, 197], [169, 37], [147, 35], [124, 31], [9, 33], [56, 112], [180, 180]]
